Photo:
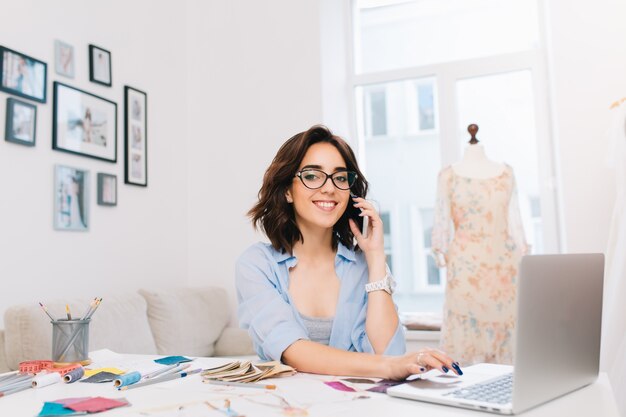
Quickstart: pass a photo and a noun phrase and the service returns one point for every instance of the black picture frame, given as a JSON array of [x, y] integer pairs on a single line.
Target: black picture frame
[[83, 123], [136, 136], [107, 189], [21, 122], [23, 75], [100, 66]]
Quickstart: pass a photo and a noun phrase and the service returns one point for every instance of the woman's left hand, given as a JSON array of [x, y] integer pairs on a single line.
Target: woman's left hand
[[374, 242]]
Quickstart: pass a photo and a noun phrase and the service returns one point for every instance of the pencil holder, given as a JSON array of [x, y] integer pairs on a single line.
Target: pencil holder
[[70, 341]]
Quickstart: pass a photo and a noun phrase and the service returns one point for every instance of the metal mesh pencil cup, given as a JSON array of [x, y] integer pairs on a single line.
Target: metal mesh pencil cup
[[70, 341]]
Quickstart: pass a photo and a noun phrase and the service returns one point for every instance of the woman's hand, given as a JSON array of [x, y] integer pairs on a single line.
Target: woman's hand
[[374, 242], [419, 362]]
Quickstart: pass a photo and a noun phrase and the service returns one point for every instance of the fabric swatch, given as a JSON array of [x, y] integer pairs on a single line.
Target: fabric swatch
[[97, 404], [116, 371], [339, 386], [50, 409], [384, 384], [359, 380], [101, 377], [169, 360]]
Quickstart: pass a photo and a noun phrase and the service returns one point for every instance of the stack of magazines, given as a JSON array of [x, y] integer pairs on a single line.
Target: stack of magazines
[[247, 372]]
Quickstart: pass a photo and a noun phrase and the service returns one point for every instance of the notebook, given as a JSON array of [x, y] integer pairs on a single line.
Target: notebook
[[559, 315]]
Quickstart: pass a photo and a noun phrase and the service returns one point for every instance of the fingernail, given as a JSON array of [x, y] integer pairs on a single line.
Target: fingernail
[[444, 369], [456, 366]]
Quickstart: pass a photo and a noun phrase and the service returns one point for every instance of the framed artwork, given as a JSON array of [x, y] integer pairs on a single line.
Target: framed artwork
[[22, 75], [99, 65], [83, 123], [21, 122], [107, 189], [71, 198], [64, 59], [136, 134]]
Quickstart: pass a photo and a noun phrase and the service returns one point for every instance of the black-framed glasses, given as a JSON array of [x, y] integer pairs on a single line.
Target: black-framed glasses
[[315, 178]]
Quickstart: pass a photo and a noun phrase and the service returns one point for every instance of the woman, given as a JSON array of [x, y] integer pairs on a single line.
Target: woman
[[303, 298]]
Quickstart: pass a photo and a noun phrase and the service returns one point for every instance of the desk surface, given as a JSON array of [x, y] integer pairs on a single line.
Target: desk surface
[[302, 391]]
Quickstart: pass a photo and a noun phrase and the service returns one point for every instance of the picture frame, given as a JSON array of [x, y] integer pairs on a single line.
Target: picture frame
[[22, 75], [136, 136], [107, 189], [100, 66], [71, 198], [64, 59], [21, 122], [84, 123]]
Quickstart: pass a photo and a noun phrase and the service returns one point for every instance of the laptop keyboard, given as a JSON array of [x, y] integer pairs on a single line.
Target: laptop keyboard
[[497, 391]]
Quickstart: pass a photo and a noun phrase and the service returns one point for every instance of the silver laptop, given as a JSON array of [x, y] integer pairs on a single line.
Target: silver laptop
[[559, 313]]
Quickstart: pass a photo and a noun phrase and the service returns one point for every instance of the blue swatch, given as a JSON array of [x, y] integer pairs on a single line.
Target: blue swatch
[[56, 409], [169, 360]]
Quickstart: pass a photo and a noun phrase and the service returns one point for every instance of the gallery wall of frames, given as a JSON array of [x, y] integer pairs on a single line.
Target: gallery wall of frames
[[83, 124]]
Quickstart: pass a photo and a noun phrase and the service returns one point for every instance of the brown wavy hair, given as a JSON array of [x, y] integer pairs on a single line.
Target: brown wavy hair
[[276, 217]]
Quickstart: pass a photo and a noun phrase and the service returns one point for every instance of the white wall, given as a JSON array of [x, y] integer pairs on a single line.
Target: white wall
[[141, 242], [587, 64], [253, 82]]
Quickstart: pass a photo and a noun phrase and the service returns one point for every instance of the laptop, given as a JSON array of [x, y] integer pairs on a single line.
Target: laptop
[[559, 314]]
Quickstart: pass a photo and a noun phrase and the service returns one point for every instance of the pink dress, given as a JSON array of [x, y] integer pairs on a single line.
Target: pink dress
[[478, 236]]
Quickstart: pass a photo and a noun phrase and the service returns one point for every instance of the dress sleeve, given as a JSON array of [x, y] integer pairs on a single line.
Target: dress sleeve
[[263, 310], [442, 232], [515, 224]]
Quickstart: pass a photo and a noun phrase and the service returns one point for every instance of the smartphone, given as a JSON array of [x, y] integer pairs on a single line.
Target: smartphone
[[355, 215]]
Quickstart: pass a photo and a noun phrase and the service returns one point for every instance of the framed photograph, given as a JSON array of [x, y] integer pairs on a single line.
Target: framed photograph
[[99, 65], [71, 198], [107, 189], [64, 59], [22, 75], [84, 124], [136, 134], [21, 122]]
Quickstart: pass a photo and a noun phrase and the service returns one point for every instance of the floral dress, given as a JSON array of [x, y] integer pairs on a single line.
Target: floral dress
[[478, 236]]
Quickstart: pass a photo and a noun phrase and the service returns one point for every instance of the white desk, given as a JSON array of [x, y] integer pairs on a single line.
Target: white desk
[[302, 390]]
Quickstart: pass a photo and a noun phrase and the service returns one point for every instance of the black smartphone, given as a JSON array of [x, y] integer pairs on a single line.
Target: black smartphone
[[354, 213]]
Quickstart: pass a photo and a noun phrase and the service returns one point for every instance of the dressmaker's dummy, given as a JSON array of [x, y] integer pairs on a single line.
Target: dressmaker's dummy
[[478, 237]]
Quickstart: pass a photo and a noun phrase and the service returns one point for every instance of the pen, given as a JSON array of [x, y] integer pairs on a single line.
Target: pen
[[67, 310], [164, 378], [15, 389], [240, 384], [160, 371], [88, 316], [46, 311], [91, 305]]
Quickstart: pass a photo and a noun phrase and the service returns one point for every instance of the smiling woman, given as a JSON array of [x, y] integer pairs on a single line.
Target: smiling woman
[[312, 297]]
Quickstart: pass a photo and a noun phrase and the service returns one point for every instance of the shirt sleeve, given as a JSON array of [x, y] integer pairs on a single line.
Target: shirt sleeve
[[263, 310], [442, 232]]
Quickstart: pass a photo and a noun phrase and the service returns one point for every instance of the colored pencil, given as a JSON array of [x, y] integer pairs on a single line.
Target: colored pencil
[[163, 378], [46, 311], [240, 384], [67, 311]]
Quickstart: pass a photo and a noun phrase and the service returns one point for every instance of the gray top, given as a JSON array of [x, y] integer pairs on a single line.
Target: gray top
[[318, 328]]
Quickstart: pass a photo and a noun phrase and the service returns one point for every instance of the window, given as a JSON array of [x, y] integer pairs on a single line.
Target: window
[[423, 71]]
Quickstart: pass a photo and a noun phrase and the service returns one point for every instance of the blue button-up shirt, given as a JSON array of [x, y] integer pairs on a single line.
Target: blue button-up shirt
[[267, 311]]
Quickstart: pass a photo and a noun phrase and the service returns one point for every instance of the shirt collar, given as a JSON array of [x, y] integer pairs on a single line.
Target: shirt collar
[[342, 251]]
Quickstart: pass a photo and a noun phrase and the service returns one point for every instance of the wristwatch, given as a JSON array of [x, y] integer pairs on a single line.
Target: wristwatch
[[386, 284]]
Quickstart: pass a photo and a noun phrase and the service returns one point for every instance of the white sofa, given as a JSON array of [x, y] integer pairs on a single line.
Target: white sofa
[[182, 321]]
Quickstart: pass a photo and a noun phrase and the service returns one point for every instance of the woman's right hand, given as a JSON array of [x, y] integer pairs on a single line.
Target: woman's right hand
[[400, 367]]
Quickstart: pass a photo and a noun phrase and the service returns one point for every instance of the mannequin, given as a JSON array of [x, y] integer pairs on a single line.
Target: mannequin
[[475, 163], [478, 237]]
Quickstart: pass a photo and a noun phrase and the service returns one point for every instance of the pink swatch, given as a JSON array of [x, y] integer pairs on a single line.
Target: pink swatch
[[97, 404], [339, 386]]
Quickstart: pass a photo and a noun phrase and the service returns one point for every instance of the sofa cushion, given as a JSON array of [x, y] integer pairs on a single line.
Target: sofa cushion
[[187, 321], [28, 332]]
